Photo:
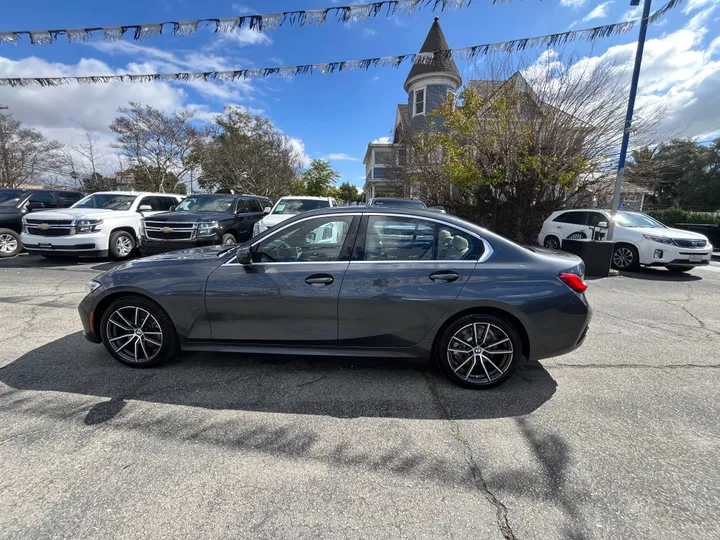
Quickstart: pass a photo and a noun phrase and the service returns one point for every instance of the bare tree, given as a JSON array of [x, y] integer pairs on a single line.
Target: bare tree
[[247, 154], [26, 156], [156, 143], [523, 140]]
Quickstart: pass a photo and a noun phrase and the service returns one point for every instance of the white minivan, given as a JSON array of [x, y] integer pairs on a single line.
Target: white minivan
[[639, 239]]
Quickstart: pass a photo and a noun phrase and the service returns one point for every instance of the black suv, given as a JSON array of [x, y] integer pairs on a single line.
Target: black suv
[[15, 203], [202, 220]]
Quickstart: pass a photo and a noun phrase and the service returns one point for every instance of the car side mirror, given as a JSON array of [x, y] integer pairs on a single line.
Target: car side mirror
[[266, 210], [603, 224], [172, 208], [244, 256], [145, 208]]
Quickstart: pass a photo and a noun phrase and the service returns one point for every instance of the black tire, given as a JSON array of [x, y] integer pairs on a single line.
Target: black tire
[[674, 268], [452, 365], [128, 242], [10, 243], [625, 257], [228, 238], [169, 344], [552, 242]]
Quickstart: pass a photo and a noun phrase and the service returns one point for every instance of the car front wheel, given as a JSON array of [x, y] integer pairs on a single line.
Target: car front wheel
[[122, 244], [137, 332], [228, 239], [10, 244], [551, 242], [625, 257], [479, 351]]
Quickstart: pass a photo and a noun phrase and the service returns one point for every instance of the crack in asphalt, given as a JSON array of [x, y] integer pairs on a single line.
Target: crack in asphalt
[[501, 513]]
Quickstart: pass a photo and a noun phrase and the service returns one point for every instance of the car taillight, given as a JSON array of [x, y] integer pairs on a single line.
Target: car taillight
[[574, 281]]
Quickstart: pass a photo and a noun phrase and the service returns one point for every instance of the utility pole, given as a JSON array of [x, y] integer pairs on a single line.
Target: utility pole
[[628, 118]]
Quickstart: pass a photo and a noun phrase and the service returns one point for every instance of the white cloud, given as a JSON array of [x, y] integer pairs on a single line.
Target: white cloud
[[574, 4], [242, 10], [369, 32], [632, 14], [245, 36], [381, 140], [299, 147], [598, 12], [339, 156]]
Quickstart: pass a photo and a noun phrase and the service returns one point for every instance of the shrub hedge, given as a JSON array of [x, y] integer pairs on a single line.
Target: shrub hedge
[[673, 216]]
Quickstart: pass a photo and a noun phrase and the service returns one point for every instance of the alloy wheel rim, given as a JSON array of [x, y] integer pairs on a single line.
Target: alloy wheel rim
[[123, 245], [8, 243], [551, 243], [480, 353], [134, 334], [623, 257], [229, 241]]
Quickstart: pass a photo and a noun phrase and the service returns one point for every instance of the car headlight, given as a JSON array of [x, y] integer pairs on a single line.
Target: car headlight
[[207, 228], [659, 239], [84, 226], [91, 285]]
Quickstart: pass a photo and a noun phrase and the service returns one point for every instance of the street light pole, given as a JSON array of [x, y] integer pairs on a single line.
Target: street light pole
[[628, 118]]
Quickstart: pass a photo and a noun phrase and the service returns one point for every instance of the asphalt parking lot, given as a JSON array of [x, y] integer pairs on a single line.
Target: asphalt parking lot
[[619, 439]]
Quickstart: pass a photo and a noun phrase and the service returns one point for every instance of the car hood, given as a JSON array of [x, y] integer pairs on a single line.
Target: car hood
[[80, 213], [273, 219], [190, 216], [668, 233], [6, 211]]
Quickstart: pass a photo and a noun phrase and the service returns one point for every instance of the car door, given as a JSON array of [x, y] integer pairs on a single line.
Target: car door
[[405, 273], [289, 293], [594, 219], [249, 211], [571, 225], [42, 200]]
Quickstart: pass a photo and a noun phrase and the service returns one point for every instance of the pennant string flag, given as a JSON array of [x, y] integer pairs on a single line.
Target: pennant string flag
[[259, 23], [465, 53]]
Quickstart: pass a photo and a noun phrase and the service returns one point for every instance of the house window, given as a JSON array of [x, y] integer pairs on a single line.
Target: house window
[[383, 158], [419, 107]]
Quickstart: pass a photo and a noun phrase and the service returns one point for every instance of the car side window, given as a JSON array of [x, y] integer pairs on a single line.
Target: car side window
[[389, 238], [43, 199], [254, 205], [318, 239], [576, 218], [594, 218], [68, 198], [164, 203], [242, 206], [148, 201], [456, 245]]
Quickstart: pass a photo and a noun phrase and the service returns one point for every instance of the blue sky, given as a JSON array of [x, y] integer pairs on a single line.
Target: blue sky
[[332, 116]]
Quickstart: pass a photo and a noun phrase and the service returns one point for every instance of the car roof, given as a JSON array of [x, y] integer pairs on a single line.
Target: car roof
[[305, 198], [394, 199], [135, 193]]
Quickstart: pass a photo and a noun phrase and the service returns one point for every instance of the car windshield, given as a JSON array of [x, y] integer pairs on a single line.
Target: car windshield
[[298, 206], [398, 203], [207, 204], [627, 219], [11, 197], [107, 201]]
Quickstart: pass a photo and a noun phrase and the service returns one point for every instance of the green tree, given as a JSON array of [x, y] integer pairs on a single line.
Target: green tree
[[246, 154], [320, 179], [347, 192]]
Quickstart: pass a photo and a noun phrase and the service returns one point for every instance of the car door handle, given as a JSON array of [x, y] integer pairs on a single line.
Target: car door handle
[[318, 280], [444, 275]]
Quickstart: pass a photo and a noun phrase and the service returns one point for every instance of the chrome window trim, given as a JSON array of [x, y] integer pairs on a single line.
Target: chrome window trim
[[487, 253]]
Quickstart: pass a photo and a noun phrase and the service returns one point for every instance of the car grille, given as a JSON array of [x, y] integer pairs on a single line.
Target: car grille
[[690, 243], [50, 227], [163, 230]]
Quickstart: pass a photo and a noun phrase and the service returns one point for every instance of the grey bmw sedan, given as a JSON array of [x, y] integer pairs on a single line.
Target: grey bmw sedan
[[353, 281]]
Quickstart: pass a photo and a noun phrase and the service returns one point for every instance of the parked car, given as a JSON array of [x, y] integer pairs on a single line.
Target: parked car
[[15, 203], [320, 283], [202, 220], [100, 225], [393, 202], [639, 239], [287, 207]]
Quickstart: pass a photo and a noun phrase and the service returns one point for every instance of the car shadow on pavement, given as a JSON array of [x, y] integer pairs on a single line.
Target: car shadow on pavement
[[659, 274], [336, 387], [36, 261]]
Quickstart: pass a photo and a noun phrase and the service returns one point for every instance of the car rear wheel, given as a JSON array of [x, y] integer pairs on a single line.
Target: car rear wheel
[[10, 244], [122, 244], [479, 351], [137, 332], [625, 257], [551, 242]]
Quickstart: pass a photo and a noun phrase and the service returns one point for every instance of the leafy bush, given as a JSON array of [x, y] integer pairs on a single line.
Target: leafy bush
[[673, 216]]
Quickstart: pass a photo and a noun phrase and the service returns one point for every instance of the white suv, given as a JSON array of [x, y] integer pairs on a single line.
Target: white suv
[[287, 207], [639, 239], [101, 224]]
